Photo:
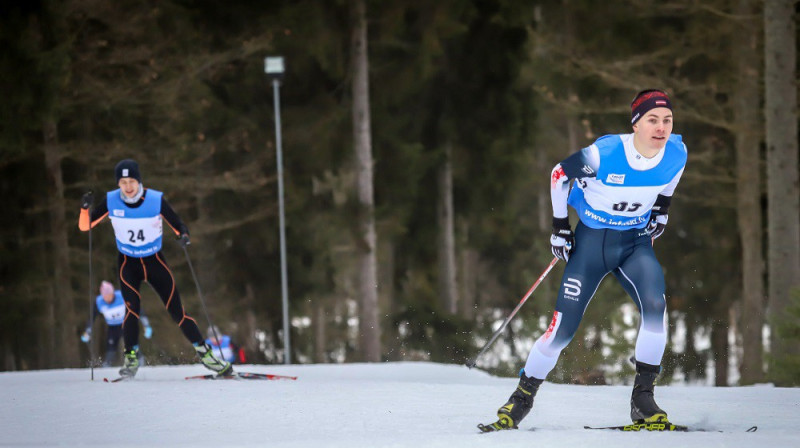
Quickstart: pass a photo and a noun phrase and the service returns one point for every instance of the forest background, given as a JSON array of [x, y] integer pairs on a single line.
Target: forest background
[[417, 140]]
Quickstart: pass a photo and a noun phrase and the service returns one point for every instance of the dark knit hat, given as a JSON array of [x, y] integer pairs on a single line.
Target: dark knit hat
[[646, 100], [127, 168]]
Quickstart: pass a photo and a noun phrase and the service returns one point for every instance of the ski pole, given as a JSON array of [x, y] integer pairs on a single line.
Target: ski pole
[[202, 302], [471, 362], [91, 302]]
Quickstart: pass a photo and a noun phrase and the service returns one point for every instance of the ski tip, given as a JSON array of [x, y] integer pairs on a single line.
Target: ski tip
[[753, 428], [201, 377], [117, 380], [499, 425]]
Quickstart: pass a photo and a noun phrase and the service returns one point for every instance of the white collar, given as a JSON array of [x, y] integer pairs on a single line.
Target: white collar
[[636, 160]]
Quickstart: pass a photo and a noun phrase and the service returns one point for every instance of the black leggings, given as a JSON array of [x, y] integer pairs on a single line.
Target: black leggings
[[113, 335], [153, 270]]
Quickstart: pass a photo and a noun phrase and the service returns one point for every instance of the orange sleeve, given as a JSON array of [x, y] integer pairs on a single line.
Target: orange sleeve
[[83, 220]]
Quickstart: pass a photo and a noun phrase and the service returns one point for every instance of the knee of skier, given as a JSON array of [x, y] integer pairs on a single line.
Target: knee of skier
[[558, 335], [654, 308], [176, 314]]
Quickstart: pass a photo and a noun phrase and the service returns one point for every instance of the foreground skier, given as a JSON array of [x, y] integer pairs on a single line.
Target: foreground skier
[[624, 184], [137, 213]]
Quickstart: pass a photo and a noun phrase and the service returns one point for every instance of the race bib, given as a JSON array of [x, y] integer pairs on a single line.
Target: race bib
[[114, 313], [137, 232]]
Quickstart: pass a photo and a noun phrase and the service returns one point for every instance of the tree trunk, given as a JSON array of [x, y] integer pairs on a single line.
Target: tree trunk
[[468, 295], [448, 293], [369, 330], [386, 295], [719, 346], [251, 343], [783, 190], [65, 352], [690, 361], [205, 260], [320, 335], [748, 195]]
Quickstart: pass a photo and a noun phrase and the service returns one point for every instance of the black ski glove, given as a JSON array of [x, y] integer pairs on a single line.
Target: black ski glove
[[562, 240], [659, 216], [87, 200], [657, 225], [183, 240]]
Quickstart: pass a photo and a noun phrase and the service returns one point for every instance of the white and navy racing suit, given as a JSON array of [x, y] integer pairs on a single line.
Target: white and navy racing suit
[[615, 188]]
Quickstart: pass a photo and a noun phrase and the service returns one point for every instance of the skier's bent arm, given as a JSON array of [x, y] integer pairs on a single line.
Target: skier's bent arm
[[95, 216], [172, 219], [583, 163]]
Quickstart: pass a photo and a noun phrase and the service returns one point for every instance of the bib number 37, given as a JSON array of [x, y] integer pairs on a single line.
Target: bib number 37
[[625, 207]]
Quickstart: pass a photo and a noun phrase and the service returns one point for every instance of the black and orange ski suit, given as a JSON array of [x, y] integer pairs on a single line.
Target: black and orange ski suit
[[152, 269]]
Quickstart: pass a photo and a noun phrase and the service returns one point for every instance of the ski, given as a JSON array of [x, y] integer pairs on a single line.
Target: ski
[[633, 427], [492, 427], [658, 426], [242, 375], [118, 379], [234, 376], [264, 376]]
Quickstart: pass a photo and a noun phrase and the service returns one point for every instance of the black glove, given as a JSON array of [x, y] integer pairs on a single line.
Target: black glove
[[657, 225], [87, 200], [658, 216], [183, 240], [562, 240]]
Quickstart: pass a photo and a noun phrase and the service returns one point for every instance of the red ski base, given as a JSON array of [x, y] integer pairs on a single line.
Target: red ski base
[[242, 376]]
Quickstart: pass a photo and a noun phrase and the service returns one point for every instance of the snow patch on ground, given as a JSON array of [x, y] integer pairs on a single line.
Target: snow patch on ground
[[405, 404]]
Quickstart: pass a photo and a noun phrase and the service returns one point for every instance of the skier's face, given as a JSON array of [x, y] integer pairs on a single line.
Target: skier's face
[[129, 186], [108, 297], [652, 131]]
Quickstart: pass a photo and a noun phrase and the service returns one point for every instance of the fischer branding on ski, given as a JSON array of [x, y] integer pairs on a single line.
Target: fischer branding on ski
[[633, 427], [659, 426]]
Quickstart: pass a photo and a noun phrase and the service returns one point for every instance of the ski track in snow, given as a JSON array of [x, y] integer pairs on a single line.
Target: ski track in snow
[[406, 404]]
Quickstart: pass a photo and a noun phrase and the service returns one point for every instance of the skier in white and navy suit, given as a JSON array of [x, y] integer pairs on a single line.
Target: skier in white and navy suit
[[110, 304], [621, 192]]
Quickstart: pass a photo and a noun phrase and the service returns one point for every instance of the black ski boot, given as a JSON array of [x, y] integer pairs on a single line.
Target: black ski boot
[[643, 406], [518, 405]]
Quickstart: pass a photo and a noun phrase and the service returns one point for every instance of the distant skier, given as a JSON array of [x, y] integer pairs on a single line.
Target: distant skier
[[224, 343], [111, 305], [622, 192], [137, 214]]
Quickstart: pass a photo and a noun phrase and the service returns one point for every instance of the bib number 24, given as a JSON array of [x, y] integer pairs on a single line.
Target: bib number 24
[[133, 236]]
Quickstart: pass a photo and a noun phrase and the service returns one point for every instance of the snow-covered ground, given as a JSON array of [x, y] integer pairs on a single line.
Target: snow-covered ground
[[365, 405]]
